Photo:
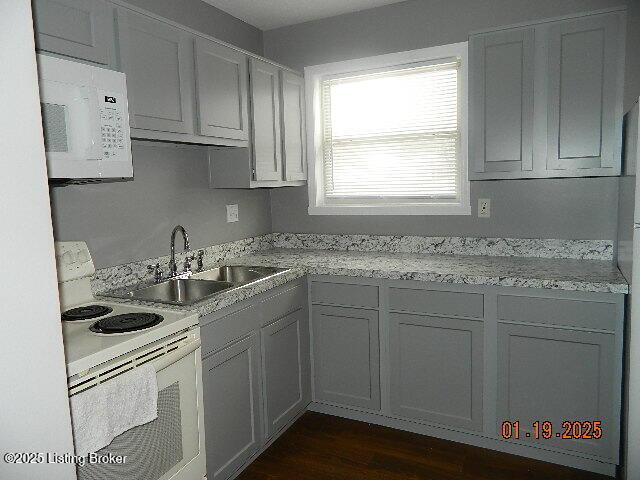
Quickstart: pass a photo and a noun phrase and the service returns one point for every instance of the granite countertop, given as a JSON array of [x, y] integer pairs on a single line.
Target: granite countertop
[[222, 299], [548, 273], [525, 272]]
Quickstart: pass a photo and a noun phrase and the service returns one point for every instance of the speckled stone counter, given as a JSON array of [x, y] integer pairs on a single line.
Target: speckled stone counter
[[559, 274], [224, 299], [498, 247], [578, 265]]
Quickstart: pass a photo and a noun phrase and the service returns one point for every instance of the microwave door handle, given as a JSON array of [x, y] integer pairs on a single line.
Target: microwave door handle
[[94, 150]]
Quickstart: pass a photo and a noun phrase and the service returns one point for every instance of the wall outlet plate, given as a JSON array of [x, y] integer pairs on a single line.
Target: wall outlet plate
[[484, 208], [232, 213]]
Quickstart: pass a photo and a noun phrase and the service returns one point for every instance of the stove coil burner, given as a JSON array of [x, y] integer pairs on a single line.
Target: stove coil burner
[[125, 323], [86, 312]]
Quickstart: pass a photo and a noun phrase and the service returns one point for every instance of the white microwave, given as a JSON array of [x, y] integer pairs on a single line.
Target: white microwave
[[85, 120]]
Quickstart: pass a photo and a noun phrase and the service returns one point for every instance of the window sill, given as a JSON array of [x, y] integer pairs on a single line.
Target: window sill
[[390, 210]]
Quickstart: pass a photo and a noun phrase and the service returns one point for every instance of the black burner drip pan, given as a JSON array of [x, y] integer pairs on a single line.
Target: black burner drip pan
[[86, 312], [125, 323]]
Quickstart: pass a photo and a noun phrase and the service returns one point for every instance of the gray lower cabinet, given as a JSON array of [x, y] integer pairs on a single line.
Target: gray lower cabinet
[[222, 78], [546, 99], [285, 354], [346, 355], [232, 400], [158, 60], [79, 29], [558, 375], [436, 369], [256, 375], [459, 360], [265, 115]]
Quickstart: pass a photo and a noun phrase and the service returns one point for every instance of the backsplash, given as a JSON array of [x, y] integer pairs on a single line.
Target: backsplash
[[131, 273], [497, 247]]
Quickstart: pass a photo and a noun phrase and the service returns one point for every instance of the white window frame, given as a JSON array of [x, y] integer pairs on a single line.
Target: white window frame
[[314, 76]]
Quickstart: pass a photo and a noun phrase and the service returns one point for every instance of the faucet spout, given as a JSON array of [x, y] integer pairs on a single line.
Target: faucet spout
[[173, 268]]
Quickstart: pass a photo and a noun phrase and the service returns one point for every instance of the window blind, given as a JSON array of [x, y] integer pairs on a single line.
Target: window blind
[[392, 134]]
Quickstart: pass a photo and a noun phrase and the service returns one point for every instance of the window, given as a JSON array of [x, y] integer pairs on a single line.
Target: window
[[389, 134]]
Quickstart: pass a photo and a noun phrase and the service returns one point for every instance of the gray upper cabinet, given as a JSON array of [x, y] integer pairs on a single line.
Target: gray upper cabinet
[[80, 29], [294, 143], [546, 99], [285, 353], [584, 97], [346, 356], [232, 412], [501, 121], [158, 61], [222, 78], [276, 154], [265, 111], [436, 369]]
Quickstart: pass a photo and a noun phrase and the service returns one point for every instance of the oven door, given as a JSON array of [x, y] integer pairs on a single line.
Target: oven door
[[172, 446]]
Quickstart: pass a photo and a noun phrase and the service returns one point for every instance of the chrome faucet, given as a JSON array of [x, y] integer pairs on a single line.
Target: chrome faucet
[[173, 268]]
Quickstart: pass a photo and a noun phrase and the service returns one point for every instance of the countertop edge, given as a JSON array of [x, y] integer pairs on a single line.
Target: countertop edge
[[237, 295]]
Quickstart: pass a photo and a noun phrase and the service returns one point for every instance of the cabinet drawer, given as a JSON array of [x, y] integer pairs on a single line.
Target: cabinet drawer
[[220, 332], [554, 311], [345, 294], [282, 303], [436, 302]]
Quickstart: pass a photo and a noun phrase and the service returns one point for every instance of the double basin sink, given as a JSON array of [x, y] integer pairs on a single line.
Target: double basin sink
[[199, 286]]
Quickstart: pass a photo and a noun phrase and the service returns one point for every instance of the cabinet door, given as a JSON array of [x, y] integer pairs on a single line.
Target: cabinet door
[[265, 112], [436, 369], [558, 375], [158, 61], [231, 383], [294, 145], [285, 353], [346, 356], [81, 29], [501, 90], [222, 78], [585, 93]]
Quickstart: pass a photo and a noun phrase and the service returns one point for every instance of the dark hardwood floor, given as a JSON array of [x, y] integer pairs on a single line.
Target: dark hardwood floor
[[323, 447]]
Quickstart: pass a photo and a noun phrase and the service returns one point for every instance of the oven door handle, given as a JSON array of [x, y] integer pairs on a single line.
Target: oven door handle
[[165, 360]]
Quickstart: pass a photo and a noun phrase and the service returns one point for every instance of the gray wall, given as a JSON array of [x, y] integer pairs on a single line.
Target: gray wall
[[132, 220], [558, 208], [207, 19], [569, 208]]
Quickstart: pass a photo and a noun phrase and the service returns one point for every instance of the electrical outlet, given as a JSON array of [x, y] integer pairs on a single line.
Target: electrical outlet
[[484, 208], [232, 213]]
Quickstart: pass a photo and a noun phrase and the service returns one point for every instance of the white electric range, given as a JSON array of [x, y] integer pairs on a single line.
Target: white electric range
[[105, 339]]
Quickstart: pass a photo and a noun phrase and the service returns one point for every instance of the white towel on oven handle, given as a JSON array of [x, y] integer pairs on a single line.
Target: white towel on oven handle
[[103, 412]]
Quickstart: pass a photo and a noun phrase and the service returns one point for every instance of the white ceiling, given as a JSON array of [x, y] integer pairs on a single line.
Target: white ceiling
[[268, 14]]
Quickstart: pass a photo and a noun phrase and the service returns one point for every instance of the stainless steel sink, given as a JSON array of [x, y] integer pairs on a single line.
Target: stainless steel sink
[[237, 274], [180, 291], [199, 286]]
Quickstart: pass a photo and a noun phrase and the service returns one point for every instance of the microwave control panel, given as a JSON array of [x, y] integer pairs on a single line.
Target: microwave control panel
[[112, 126]]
